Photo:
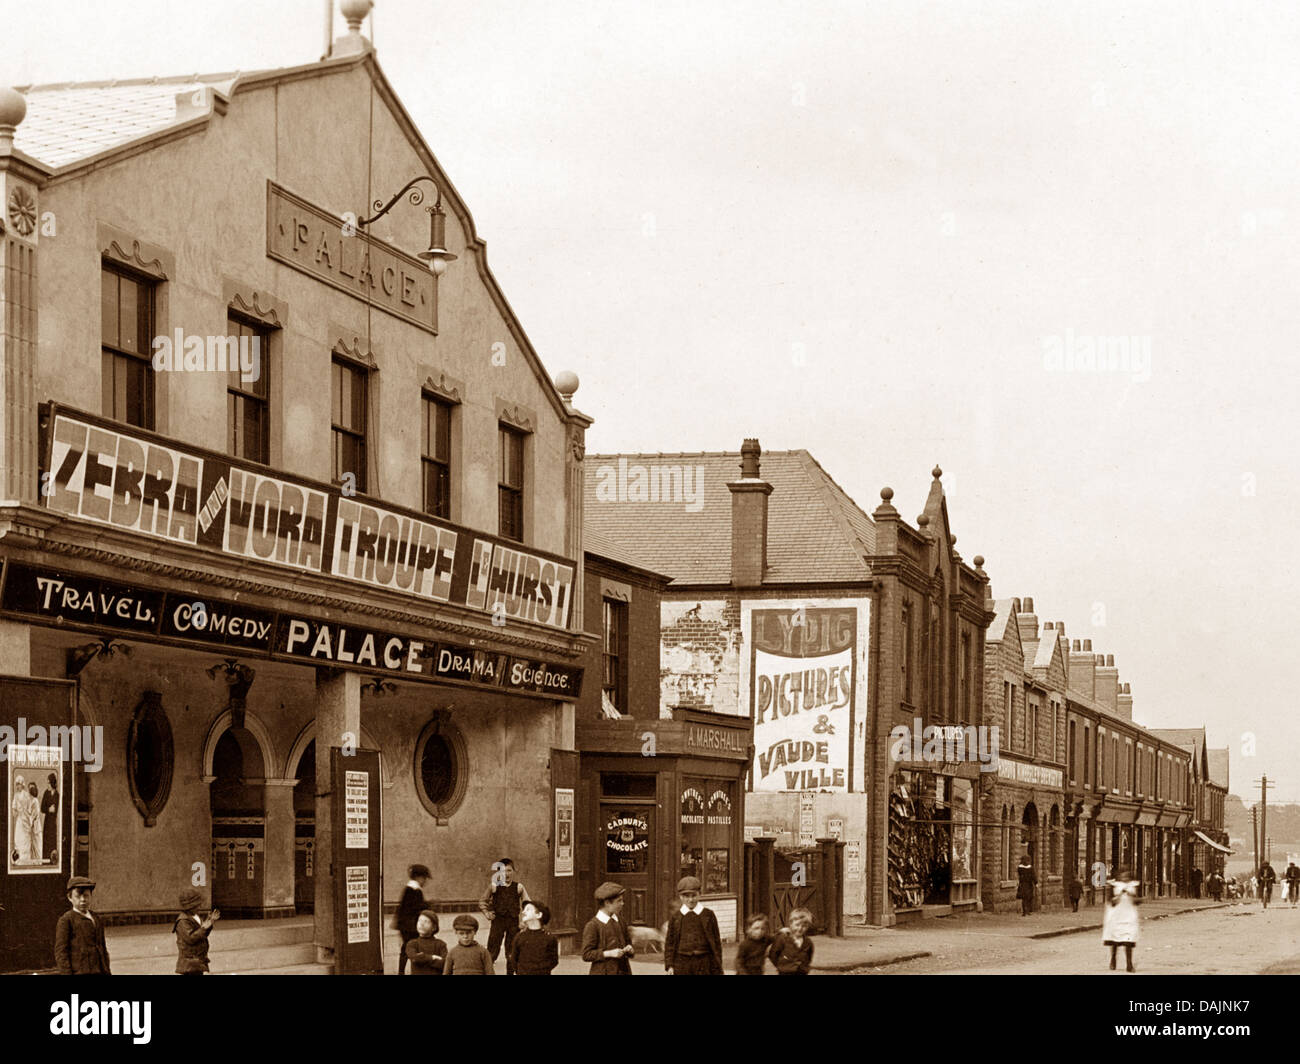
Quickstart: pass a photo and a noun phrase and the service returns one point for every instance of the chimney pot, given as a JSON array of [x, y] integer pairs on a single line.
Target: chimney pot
[[1015, 605], [1029, 605], [1076, 645], [749, 455], [1087, 644], [1110, 660]]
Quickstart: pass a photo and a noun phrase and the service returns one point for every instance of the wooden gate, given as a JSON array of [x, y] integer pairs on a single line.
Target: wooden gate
[[779, 881]]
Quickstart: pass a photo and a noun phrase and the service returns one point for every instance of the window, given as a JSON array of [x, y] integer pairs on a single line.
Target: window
[[1031, 744], [615, 665], [1070, 754], [1114, 762], [350, 401], [706, 833], [1101, 759], [1054, 841], [965, 679], [126, 346], [1008, 718], [440, 766], [510, 488], [1006, 844], [907, 652], [1130, 768], [248, 408], [1087, 755], [435, 457]]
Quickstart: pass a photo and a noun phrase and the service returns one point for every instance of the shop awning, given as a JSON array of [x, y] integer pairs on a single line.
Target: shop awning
[[1210, 842]]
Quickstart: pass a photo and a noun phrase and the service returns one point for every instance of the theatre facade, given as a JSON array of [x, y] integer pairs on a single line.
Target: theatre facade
[[322, 603]]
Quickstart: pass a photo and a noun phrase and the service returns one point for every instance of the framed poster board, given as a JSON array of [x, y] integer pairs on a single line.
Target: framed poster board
[[356, 867]]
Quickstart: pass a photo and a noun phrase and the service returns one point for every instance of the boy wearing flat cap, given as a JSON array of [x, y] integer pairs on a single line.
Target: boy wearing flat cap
[[192, 934], [79, 947], [427, 954], [693, 945], [467, 957], [604, 939]]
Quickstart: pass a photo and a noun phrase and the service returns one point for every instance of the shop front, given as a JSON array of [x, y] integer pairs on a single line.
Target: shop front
[[932, 837], [659, 800]]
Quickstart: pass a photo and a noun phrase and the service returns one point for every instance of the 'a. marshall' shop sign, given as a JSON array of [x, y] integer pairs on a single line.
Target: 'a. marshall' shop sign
[[139, 482], [77, 601]]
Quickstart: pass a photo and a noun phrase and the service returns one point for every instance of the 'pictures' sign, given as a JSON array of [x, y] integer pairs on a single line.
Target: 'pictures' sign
[[127, 481], [802, 690]]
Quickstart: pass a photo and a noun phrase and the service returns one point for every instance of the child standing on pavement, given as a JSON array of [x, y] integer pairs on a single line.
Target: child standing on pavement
[[792, 952], [751, 955], [192, 934], [427, 954], [467, 957], [79, 947], [409, 907], [535, 952], [1119, 926], [502, 903], [693, 945]]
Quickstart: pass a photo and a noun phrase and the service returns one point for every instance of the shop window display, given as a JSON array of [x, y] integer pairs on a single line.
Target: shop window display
[[706, 826], [920, 841]]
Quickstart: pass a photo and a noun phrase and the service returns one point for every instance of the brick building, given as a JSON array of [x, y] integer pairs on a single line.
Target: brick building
[[1022, 805], [1126, 787], [822, 628], [355, 560], [1205, 837]]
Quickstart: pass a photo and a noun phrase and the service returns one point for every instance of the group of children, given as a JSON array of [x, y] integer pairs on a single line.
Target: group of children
[[692, 943]]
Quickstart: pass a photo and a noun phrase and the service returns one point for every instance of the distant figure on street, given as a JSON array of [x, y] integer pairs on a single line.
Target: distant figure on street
[[1119, 927], [1025, 889], [1076, 892], [1214, 884], [1196, 882], [1267, 877], [1293, 881], [192, 933]]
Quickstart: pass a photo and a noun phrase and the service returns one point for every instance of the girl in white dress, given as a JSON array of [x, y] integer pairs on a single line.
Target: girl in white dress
[[20, 818], [1119, 926]]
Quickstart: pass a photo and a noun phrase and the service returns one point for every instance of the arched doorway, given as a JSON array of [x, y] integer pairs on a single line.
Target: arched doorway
[[1029, 842], [304, 831], [237, 796]]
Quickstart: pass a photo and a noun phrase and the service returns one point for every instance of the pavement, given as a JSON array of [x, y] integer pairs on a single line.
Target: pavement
[[873, 948]]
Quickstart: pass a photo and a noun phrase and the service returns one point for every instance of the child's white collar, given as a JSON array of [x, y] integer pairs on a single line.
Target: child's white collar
[[605, 917], [698, 907]]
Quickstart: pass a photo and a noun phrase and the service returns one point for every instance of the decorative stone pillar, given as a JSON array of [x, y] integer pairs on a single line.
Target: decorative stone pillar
[[577, 424], [338, 714], [20, 181]]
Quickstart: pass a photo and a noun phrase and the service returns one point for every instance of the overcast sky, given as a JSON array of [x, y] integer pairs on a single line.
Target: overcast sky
[[870, 230]]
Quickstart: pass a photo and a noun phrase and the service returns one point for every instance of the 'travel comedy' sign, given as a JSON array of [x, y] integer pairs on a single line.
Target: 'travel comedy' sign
[[137, 482]]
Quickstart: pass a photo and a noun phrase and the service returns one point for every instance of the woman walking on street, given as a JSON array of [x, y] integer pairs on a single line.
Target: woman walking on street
[[1025, 889], [1119, 927]]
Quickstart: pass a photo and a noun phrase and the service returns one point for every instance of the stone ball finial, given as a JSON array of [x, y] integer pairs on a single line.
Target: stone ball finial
[[979, 561], [922, 521], [886, 493], [355, 12], [13, 107], [566, 383], [936, 472], [952, 540]]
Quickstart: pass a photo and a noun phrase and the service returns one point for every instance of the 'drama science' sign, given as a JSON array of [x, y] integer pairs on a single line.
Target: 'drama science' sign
[[140, 483]]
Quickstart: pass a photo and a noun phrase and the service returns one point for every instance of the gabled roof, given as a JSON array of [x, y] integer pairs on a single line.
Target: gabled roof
[[1003, 621], [601, 546], [74, 126], [72, 121], [816, 534], [1192, 739], [1219, 767]]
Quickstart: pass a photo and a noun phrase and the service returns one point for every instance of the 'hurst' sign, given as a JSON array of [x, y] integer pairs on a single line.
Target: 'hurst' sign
[[140, 483]]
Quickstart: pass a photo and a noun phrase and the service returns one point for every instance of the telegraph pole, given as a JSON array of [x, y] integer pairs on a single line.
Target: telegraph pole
[[1261, 842], [1254, 832]]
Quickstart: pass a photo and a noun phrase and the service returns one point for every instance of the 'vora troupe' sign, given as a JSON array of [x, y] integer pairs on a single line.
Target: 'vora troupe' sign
[[77, 601], [141, 483], [802, 682]]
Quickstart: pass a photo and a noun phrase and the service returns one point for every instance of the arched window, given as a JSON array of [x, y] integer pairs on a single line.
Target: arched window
[[441, 766], [1054, 840], [1006, 843]]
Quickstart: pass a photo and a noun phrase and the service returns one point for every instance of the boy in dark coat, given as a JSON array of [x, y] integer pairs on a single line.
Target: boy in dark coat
[[409, 907], [1076, 892], [79, 947], [792, 951], [751, 955], [604, 939], [501, 904], [693, 945], [192, 934], [535, 951], [428, 955]]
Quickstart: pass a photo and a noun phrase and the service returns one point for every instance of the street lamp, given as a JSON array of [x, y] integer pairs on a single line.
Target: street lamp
[[436, 255]]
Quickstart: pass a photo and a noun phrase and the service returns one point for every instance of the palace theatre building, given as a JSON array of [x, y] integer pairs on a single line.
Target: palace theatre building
[[340, 571]]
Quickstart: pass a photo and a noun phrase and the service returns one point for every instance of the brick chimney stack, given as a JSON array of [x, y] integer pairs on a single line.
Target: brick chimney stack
[[749, 519], [1083, 664], [1107, 682], [1027, 621], [1125, 702]]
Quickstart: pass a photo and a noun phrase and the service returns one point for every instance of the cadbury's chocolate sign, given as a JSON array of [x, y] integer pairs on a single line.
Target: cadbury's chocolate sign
[[137, 484]]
